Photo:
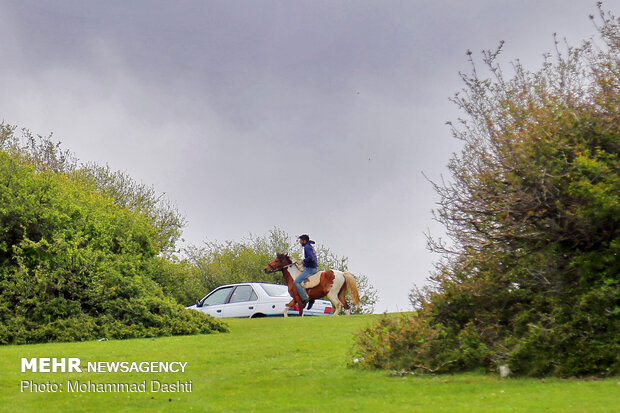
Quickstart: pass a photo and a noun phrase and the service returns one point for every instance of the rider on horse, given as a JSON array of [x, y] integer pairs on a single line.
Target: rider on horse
[[311, 266]]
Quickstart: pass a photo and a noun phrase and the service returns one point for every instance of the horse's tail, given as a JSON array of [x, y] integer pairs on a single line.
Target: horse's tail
[[352, 287]]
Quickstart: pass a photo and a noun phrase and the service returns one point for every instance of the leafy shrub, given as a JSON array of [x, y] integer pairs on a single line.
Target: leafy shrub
[[530, 278], [76, 266]]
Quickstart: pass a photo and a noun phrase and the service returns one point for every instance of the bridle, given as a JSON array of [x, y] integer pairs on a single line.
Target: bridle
[[274, 269]]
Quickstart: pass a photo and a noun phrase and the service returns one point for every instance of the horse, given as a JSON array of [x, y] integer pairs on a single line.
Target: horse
[[334, 284]]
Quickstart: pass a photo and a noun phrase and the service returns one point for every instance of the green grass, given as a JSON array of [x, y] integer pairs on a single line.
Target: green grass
[[278, 365]]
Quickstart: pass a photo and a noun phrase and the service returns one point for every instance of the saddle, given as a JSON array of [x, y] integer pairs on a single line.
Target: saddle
[[312, 281]]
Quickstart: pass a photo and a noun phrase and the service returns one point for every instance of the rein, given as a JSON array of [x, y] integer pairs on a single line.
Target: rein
[[281, 268]]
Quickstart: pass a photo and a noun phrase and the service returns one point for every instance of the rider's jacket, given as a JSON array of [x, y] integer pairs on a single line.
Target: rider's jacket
[[310, 260]]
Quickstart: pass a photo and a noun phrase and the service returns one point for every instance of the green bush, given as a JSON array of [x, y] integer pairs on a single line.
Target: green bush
[[76, 266], [416, 343], [530, 277]]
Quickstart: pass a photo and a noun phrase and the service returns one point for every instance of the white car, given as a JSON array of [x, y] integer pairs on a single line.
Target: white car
[[250, 300]]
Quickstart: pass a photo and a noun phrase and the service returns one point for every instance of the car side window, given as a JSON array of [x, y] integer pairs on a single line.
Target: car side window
[[243, 293], [217, 297]]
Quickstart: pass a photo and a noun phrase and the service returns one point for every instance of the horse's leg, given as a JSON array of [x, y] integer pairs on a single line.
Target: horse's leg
[[296, 300], [334, 290], [347, 308], [343, 299], [335, 302], [288, 306]]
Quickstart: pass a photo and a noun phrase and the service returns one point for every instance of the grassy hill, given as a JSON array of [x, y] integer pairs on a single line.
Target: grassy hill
[[272, 365]]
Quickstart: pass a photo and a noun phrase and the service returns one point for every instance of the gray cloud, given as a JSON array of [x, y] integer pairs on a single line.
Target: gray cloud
[[314, 117]]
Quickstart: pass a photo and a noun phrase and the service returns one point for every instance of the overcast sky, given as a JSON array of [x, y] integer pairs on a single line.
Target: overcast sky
[[315, 117]]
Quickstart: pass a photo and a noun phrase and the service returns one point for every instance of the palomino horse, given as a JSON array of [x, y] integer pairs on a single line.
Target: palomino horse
[[334, 284]]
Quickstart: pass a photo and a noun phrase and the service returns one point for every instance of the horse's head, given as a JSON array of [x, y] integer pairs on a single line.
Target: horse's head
[[281, 261]]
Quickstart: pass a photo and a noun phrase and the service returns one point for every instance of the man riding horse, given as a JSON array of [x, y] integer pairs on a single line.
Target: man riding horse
[[311, 266]]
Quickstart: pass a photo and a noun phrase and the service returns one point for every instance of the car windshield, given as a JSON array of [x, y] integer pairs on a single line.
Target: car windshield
[[275, 290]]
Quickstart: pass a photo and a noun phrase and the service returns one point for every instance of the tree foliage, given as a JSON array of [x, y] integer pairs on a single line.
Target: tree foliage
[[46, 155], [529, 277], [141, 198], [74, 265]]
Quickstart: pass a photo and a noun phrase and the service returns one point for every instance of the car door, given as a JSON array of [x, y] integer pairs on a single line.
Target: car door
[[242, 302], [214, 303]]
